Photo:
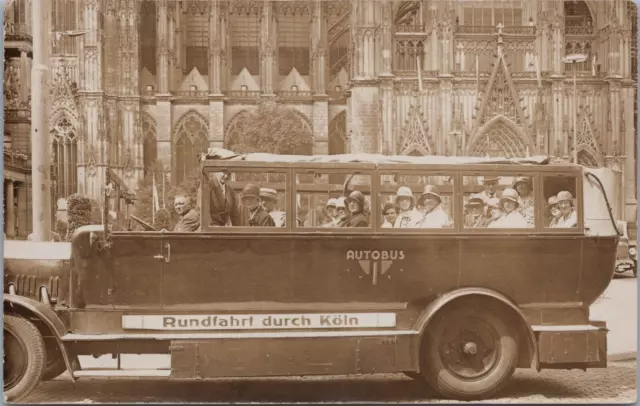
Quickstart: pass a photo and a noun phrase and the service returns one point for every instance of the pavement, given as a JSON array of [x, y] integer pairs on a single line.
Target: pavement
[[618, 306]]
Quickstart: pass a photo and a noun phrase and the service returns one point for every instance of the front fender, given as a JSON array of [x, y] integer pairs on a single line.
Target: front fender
[[432, 309], [43, 313]]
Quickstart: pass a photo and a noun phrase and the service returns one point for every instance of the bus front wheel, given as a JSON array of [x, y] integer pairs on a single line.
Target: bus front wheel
[[24, 357], [470, 350]]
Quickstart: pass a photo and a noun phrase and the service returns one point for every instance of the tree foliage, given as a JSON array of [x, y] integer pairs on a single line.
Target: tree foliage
[[79, 210], [272, 129]]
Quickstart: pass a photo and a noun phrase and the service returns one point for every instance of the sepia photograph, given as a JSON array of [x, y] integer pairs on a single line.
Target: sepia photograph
[[323, 201]]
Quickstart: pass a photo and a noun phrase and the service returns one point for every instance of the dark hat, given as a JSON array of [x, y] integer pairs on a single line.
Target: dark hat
[[475, 200], [251, 190], [356, 196]]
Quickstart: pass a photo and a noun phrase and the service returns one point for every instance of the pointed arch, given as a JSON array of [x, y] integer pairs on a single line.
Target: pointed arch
[[587, 158], [190, 138], [338, 134], [586, 140], [415, 138], [500, 137], [236, 127], [149, 141], [64, 154]]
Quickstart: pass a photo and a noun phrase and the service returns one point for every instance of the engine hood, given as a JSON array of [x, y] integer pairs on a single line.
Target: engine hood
[[37, 250]]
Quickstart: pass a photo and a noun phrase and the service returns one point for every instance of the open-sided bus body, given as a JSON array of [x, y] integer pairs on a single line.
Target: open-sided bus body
[[460, 307]]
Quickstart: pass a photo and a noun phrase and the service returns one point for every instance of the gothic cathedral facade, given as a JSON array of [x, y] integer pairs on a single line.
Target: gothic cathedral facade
[[162, 80]]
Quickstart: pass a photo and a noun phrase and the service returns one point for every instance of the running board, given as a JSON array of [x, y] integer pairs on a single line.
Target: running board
[[123, 373]]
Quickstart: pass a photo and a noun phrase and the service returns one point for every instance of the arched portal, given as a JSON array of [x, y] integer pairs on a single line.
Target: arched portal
[[150, 142], [190, 138], [64, 163], [338, 134], [499, 137]]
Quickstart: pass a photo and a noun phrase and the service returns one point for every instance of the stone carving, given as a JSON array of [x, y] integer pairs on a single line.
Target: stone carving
[[11, 86], [415, 135]]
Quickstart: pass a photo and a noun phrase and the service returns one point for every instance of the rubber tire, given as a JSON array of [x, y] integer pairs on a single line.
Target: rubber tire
[[31, 338], [446, 383]]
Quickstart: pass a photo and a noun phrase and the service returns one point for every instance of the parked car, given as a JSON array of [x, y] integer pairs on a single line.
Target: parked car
[[627, 256]]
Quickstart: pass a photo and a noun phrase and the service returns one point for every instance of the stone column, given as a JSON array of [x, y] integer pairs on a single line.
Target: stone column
[[22, 213], [171, 41], [557, 39], [25, 84], [268, 44], [162, 70], [214, 49], [557, 99], [319, 47], [178, 51], [364, 106], [10, 227], [388, 144]]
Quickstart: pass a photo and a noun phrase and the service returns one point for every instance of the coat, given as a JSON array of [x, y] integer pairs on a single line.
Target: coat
[[357, 220], [568, 222], [515, 219], [260, 218], [437, 218], [480, 222], [188, 223], [224, 209]]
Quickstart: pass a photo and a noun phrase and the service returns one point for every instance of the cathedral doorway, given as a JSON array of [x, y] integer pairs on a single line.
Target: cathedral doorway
[[500, 137]]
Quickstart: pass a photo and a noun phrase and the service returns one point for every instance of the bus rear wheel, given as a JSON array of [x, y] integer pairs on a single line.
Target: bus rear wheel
[[470, 350], [24, 357]]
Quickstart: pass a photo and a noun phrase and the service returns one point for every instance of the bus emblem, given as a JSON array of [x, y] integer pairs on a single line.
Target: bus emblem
[[375, 263]]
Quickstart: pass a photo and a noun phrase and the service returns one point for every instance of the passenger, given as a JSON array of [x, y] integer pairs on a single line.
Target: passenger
[[553, 211], [512, 218], [224, 209], [405, 203], [568, 217], [490, 188], [332, 210], [270, 201], [189, 217], [525, 201], [432, 214], [494, 211], [476, 206], [356, 205], [390, 215], [258, 216], [343, 213]]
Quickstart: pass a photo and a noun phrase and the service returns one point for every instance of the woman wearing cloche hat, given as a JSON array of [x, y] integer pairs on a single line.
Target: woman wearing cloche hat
[[512, 218], [568, 218], [430, 206], [405, 202]]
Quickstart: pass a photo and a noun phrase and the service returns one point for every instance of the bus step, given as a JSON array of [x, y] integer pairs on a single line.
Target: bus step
[[123, 373]]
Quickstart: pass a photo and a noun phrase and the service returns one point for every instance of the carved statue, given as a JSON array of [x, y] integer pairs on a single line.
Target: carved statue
[[11, 84]]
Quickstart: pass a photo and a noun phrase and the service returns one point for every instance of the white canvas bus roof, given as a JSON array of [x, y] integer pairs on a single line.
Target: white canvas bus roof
[[226, 155]]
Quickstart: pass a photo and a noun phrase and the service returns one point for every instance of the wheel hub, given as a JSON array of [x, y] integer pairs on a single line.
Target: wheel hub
[[470, 348]]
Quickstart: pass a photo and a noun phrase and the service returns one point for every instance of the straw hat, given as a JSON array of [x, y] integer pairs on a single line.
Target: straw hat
[[268, 193], [333, 202], [490, 179], [521, 180]]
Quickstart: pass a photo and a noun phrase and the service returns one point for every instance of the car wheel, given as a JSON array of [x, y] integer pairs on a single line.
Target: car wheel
[[470, 350], [24, 357]]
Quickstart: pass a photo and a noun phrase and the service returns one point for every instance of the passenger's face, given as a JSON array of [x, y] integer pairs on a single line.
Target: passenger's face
[[523, 189], [270, 204], [496, 212], [491, 187], [342, 212], [555, 212], [333, 212], [353, 206], [391, 215], [565, 207], [509, 206], [250, 202], [404, 203], [181, 205], [476, 211], [430, 203]]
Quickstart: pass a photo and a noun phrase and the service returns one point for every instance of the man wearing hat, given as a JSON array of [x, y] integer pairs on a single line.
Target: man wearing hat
[[512, 218], [490, 191], [355, 203], [525, 200], [432, 214], [224, 209], [553, 211], [258, 216], [270, 202], [568, 217], [478, 218], [189, 217], [407, 214]]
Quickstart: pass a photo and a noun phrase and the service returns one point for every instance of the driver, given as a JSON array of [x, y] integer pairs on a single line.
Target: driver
[[189, 217]]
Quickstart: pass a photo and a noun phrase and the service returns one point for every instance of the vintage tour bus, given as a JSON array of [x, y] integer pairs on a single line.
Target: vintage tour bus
[[454, 271]]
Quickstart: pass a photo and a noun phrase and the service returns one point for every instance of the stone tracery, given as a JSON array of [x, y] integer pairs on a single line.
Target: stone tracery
[[189, 140]]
